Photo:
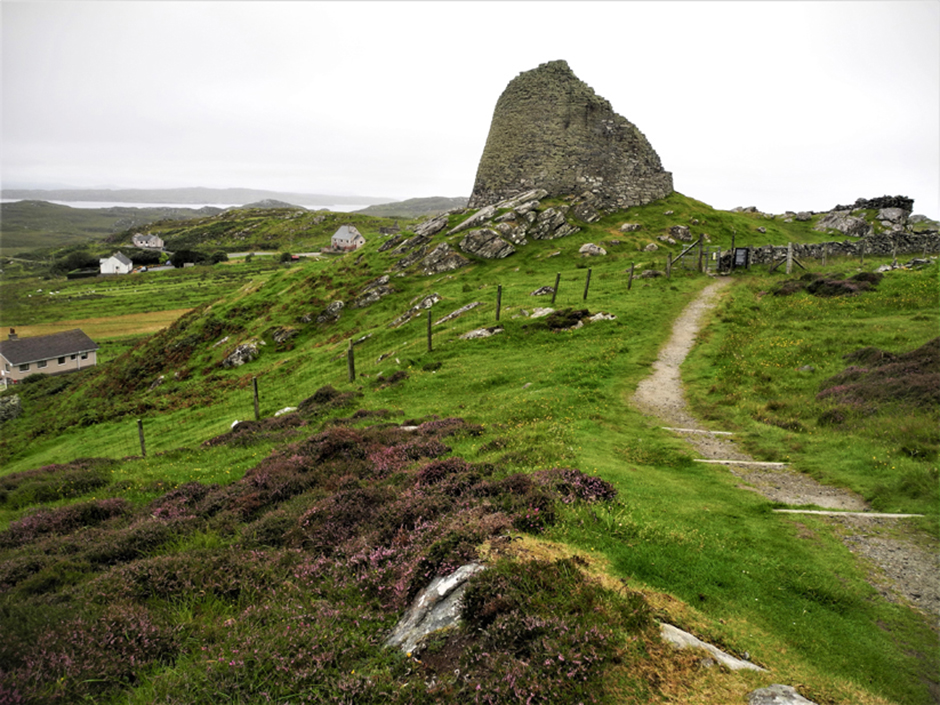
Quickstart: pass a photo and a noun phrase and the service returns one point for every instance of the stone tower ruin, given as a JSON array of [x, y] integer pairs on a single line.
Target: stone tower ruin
[[551, 131]]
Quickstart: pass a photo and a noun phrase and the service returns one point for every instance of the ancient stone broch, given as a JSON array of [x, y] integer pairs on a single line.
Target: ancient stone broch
[[551, 131]]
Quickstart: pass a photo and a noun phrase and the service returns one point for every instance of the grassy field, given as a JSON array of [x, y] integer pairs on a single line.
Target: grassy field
[[213, 550]]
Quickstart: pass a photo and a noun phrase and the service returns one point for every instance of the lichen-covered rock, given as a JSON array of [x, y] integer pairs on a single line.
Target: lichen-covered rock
[[478, 218], [422, 305], [245, 352], [10, 407], [589, 249], [681, 233], [550, 130], [372, 292], [777, 695], [431, 227], [844, 223], [551, 224], [442, 259], [486, 243], [630, 227], [332, 312]]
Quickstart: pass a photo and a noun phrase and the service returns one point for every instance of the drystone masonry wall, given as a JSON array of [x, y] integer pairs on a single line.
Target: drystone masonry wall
[[551, 131], [874, 245]]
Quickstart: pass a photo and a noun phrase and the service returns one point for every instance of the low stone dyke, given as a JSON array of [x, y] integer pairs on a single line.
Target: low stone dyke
[[880, 245]]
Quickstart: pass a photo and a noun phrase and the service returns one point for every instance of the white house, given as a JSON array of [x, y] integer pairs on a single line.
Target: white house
[[347, 238], [147, 242], [118, 263]]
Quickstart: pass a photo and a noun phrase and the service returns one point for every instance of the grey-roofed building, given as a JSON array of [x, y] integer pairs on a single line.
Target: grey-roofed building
[[118, 263], [347, 238], [46, 354]]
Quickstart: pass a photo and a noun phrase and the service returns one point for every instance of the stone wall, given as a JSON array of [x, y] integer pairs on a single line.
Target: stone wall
[[875, 245], [551, 131]]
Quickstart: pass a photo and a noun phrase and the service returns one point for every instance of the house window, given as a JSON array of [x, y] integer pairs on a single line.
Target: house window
[[84, 356], [42, 363], [72, 357], [62, 360], [24, 368]]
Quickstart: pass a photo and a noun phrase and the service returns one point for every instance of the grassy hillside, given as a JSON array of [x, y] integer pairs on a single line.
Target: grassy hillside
[[271, 560], [31, 225], [415, 207]]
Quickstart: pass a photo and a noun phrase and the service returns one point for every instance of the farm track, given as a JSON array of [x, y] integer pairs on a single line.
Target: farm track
[[896, 562]]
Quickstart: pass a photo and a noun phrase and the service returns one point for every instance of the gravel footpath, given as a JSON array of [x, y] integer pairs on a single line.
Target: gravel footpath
[[902, 564]]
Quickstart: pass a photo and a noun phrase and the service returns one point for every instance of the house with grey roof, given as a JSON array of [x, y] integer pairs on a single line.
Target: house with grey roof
[[147, 242], [347, 239], [118, 263], [51, 354]]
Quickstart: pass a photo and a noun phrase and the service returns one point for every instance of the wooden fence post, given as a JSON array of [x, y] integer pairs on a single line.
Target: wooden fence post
[[555, 290], [587, 283], [429, 331], [630, 279], [700, 254], [351, 362], [668, 266], [140, 434], [499, 299], [254, 382], [789, 258], [733, 256]]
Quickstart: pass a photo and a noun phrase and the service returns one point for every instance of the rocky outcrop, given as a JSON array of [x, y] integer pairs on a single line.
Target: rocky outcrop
[[422, 305], [845, 223], [777, 695], [550, 130], [372, 292], [331, 313], [486, 243], [436, 607], [902, 202], [10, 407], [241, 354], [442, 259]]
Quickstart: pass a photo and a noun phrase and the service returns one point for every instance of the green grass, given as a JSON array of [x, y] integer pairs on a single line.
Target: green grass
[[784, 589]]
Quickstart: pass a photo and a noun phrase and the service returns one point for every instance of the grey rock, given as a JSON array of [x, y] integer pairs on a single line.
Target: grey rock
[[332, 312], [393, 241], [285, 410], [665, 238], [684, 640], [411, 243], [894, 215], [431, 227], [589, 249], [777, 695], [436, 607], [478, 218], [282, 335], [482, 333], [486, 243], [371, 295], [844, 223], [535, 194], [241, 354], [668, 212], [630, 227], [651, 274], [652, 247], [410, 259], [543, 291], [681, 232], [586, 212], [10, 407], [542, 312], [762, 229], [422, 305], [459, 312], [551, 225], [441, 259], [803, 216]]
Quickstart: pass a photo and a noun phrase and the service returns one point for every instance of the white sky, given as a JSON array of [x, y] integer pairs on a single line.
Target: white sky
[[780, 105]]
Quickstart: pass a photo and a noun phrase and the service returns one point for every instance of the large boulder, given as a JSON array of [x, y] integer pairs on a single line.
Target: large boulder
[[431, 227], [845, 223], [486, 243], [551, 224], [442, 259], [777, 695], [589, 249]]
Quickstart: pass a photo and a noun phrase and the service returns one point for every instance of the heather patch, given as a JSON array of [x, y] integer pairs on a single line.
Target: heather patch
[[61, 521], [911, 378], [53, 482]]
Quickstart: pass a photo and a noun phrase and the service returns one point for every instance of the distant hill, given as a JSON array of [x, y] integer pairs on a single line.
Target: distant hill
[[415, 207], [186, 195], [28, 225]]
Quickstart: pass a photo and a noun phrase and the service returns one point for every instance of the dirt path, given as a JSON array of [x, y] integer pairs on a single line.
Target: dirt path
[[899, 563]]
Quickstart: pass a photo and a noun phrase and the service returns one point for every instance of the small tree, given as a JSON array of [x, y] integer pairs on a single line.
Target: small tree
[[285, 257]]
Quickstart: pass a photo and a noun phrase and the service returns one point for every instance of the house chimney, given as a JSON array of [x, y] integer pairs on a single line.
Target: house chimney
[[12, 334]]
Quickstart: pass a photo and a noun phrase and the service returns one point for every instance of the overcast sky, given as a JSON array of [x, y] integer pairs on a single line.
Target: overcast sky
[[780, 105]]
